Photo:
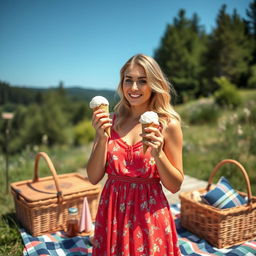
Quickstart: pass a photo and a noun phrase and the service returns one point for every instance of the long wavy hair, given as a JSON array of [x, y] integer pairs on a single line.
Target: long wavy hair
[[160, 101]]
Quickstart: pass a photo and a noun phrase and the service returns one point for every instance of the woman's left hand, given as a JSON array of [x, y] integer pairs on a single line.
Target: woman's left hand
[[154, 139]]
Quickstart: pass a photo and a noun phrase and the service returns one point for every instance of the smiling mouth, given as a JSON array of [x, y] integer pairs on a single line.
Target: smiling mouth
[[135, 96]]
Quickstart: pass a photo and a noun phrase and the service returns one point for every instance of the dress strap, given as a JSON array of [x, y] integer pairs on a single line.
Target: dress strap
[[132, 179]]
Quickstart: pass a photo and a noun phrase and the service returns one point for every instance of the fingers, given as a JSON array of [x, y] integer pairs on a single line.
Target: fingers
[[99, 114], [152, 133], [153, 137], [101, 120], [153, 144], [154, 130], [153, 140], [102, 123]]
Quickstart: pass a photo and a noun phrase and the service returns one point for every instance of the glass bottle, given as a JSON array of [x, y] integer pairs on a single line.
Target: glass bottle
[[72, 222]]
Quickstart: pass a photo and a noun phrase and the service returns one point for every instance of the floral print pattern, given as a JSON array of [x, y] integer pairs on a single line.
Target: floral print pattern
[[133, 217]]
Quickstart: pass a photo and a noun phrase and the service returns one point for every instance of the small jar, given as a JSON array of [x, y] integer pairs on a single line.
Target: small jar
[[72, 222]]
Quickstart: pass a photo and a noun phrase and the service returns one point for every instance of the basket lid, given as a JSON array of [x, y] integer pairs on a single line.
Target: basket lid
[[45, 188]]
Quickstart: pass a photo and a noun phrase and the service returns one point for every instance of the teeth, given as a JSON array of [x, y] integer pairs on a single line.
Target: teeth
[[135, 95]]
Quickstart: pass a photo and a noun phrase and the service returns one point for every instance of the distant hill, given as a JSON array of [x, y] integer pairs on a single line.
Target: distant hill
[[27, 95], [86, 94]]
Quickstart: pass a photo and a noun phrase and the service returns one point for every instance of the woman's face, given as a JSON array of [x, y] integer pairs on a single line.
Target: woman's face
[[136, 89]]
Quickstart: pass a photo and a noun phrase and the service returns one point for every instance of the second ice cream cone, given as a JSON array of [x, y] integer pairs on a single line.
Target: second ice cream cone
[[148, 119], [145, 147]]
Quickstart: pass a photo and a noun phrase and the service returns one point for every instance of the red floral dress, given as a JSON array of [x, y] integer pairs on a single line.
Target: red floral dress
[[133, 217]]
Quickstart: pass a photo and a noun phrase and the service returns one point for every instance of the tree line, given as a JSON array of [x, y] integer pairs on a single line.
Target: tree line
[[53, 116], [192, 59], [40, 117]]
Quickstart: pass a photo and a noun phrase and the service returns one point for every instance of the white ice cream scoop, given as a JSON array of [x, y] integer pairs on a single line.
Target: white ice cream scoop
[[97, 101], [149, 117]]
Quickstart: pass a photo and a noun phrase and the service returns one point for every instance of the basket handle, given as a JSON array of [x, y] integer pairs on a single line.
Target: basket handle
[[241, 168], [52, 169]]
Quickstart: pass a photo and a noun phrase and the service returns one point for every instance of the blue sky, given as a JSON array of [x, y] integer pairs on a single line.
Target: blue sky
[[85, 42]]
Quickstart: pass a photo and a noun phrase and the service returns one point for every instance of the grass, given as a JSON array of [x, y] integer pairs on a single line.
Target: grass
[[10, 239], [206, 144], [203, 149], [199, 142], [247, 94]]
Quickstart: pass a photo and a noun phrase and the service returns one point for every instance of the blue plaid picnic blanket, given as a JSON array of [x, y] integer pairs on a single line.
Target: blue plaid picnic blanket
[[193, 245], [57, 244]]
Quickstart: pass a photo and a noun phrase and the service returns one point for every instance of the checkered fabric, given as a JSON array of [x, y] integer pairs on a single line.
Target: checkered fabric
[[223, 195], [58, 245], [191, 244]]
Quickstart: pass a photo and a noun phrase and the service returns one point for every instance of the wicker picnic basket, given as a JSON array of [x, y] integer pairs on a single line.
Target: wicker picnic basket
[[222, 228], [42, 203]]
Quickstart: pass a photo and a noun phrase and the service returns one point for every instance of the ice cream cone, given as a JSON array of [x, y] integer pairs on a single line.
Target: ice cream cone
[[145, 147], [99, 102], [106, 110], [148, 119]]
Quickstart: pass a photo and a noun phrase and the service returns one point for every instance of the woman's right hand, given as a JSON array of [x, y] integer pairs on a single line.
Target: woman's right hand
[[101, 121]]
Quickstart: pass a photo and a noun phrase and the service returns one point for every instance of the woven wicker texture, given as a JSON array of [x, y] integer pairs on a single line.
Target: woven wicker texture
[[220, 227], [42, 204]]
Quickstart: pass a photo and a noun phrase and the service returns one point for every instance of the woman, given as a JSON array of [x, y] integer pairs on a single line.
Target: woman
[[133, 216]]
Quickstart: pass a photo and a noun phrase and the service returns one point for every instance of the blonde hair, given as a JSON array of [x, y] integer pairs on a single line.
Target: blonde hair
[[160, 101]]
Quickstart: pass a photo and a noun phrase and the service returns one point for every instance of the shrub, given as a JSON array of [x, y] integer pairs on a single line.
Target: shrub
[[84, 132], [202, 111], [247, 117], [247, 114], [252, 78], [227, 94], [252, 147]]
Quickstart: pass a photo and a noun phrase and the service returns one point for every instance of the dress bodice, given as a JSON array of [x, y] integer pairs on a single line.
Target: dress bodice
[[129, 160]]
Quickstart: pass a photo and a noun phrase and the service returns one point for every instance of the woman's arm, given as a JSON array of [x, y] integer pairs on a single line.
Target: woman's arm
[[97, 160], [167, 152]]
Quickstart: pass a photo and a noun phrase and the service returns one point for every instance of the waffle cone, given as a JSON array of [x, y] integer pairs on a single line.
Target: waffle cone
[[106, 110], [145, 147]]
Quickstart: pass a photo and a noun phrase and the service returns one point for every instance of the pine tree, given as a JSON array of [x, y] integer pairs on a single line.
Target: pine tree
[[180, 53], [55, 118], [251, 13], [229, 48], [251, 29]]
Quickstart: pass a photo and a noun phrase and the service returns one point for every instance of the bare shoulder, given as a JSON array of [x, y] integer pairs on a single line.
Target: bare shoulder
[[172, 127], [172, 133]]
